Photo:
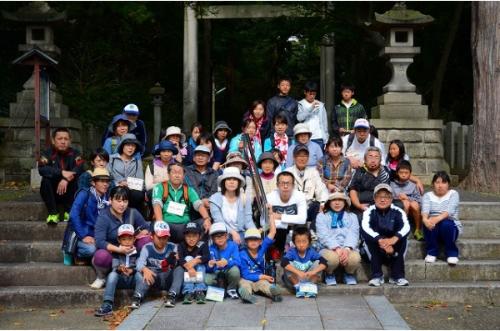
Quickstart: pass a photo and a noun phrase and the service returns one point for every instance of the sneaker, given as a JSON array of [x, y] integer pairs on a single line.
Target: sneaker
[[399, 282], [300, 294], [419, 236], [98, 283], [170, 300], [136, 302], [276, 294], [66, 217], [246, 296], [105, 310], [330, 280], [376, 281], [350, 279], [232, 294], [314, 236], [310, 295], [200, 297], [430, 259], [452, 260], [188, 299], [53, 218]]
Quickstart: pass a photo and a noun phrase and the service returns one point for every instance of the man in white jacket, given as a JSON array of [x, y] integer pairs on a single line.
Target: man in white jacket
[[313, 113]]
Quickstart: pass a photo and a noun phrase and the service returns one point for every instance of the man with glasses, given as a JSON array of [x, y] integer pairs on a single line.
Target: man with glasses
[[385, 228], [289, 208], [356, 144]]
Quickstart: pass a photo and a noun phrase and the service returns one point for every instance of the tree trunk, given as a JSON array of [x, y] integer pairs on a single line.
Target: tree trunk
[[206, 76], [441, 69], [484, 174]]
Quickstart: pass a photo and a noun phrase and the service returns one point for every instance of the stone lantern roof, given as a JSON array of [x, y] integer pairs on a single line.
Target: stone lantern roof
[[400, 16], [35, 12]]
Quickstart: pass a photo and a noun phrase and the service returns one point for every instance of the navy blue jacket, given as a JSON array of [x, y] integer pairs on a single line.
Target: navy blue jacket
[[286, 105]]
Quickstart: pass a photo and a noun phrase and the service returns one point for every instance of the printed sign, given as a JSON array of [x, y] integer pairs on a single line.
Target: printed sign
[[176, 208], [215, 294], [135, 183]]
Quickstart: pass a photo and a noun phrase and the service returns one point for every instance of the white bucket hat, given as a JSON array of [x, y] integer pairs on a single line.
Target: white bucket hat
[[231, 172], [301, 128], [175, 130]]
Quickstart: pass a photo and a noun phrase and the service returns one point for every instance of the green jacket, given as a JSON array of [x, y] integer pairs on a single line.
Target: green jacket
[[344, 118]]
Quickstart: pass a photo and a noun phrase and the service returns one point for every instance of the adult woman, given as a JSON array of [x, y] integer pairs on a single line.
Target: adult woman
[[84, 211], [98, 159], [106, 232], [249, 127], [338, 234], [334, 168], [440, 218], [157, 171], [230, 206], [258, 114]]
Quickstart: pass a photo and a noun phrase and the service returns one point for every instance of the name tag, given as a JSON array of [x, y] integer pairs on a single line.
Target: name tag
[[176, 208], [308, 287], [197, 279], [135, 183], [215, 294]]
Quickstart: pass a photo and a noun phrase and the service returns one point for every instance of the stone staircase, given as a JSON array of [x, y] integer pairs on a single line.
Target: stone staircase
[[32, 273]]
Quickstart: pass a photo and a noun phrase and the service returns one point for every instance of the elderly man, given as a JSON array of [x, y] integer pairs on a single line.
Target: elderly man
[[365, 179], [173, 201], [357, 143], [385, 229]]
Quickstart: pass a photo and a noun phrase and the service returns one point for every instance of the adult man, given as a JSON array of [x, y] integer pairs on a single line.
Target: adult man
[[313, 113], [303, 136], [356, 144], [288, 206], [283, 103], [365, 179], [173, 201], [59, 167], [200, 177], [385, 229], [308, 181]]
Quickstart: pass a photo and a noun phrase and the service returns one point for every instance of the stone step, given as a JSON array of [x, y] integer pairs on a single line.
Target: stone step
[[478, 249], [489, 229], [29, 251], [50, 297], [44, 274], [34, 231], [479, 211]]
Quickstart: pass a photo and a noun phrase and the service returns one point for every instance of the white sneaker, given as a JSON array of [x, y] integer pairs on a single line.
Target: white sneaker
[[399, 281], [452, 260], [430, 259], [98, 283], [376, 282]]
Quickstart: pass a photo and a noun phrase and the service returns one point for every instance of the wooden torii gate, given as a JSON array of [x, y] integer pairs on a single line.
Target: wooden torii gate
[[190, 97]]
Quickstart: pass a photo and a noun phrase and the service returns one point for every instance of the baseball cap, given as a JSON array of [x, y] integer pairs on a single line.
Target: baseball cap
[[361, 123], [252, 234], [192, 227], [300, 148], [126, 229], [217, 227], [202, 149], [131, 109], [162, 229], [382, 187]]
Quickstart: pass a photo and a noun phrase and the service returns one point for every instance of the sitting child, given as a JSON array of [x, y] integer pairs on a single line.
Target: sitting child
[[193, 256], [223, 267], [253, 266], [302, 263], [123, 273], [406, 191], [156, 267]]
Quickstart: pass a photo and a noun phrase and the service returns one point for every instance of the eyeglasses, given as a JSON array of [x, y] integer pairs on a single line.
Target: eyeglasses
[[285, 183]]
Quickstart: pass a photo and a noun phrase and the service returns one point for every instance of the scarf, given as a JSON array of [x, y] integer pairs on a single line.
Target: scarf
[[101, 201], [336, 219], [258, 123], [281, 143], [220, 145]]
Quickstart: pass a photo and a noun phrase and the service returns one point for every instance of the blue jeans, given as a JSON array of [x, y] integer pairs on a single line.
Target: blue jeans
[[190, 287], [116, 280], [445, 231], [166, 280], [85, 251]]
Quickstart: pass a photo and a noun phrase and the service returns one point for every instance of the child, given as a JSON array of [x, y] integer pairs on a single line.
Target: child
[[223, 266], [221, 148], [98, 159], [284, 104], [193, 256], [302, 263], [334, 168], [59, 167], [313, 113], [123, 273], [249, 127], [156, 267], [396, 153], [120, 126], [406, 191], [253, 265], [279, 139], [347, 112], [268, 164]]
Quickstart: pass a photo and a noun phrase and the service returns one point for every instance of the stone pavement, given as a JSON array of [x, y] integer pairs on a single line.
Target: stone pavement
[[325, 312]]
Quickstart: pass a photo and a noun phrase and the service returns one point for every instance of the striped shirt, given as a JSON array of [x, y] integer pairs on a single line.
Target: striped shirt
[[433, 205]]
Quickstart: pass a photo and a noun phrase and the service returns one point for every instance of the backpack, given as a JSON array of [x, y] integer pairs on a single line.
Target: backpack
[[185, 193], [351, 139]]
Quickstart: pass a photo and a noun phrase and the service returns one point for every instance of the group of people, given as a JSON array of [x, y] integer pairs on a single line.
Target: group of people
[[189, 218]]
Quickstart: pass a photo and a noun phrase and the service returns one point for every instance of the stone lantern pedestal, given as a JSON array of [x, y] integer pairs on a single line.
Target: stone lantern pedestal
[[400, 113]]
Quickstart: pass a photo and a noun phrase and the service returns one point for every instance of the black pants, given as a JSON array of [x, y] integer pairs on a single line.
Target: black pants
[[48, 191], [312, 212], [136, 200], [378, 257], [177, 231]]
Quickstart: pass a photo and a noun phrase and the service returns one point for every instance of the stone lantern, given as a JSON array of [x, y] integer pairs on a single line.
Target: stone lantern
[[400, 113], [157, 92]]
